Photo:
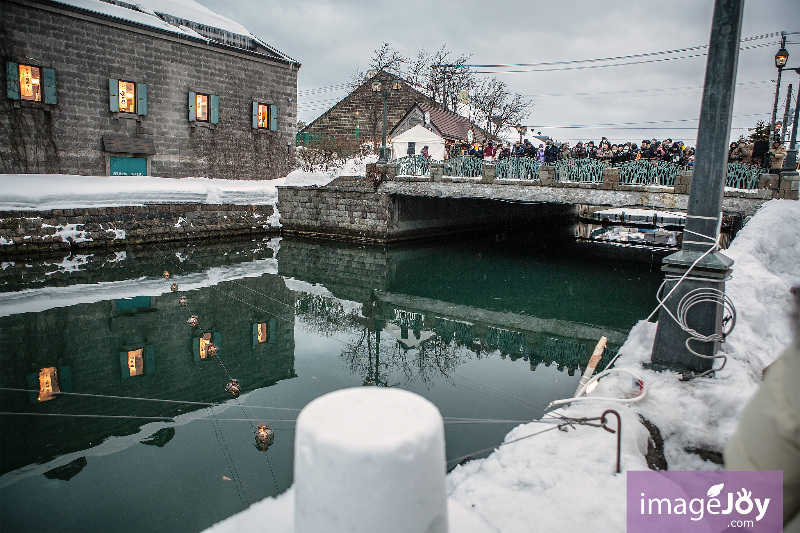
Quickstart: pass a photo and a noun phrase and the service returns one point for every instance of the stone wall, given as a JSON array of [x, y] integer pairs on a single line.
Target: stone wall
[[86, 50], [57, 230]]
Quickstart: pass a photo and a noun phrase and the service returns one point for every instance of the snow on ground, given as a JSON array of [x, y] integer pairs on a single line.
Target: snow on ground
[[564, 480], [39, 192]]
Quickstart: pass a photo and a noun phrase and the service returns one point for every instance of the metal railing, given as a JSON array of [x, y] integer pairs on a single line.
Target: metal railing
[[414, 165], [517, 168], [579, 170], [741, 176], [463, 166], [646, 172]]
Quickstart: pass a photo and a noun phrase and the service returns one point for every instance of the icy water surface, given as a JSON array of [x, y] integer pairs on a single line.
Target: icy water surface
[[489, 329]]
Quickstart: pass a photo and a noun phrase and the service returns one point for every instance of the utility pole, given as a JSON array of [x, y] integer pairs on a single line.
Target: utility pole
[[785, 123], [698, 266]]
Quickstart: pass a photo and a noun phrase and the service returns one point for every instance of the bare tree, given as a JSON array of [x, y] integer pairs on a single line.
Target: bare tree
[[383, 58], [497, 106], [448, 77]]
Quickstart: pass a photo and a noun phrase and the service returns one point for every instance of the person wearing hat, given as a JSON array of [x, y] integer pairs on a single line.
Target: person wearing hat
[[776, 156]]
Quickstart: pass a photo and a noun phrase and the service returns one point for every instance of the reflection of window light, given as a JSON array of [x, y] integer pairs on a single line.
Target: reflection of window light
[[262, 332], [205, 340], [127, 97], [202, 107], [136, 362], [30, 83], [263, 116], [48, 384]]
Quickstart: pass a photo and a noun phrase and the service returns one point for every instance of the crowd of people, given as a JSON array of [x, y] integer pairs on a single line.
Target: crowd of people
[[615, 154]]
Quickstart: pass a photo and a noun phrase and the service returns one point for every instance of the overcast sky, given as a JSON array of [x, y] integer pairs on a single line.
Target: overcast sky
[[334, 38]]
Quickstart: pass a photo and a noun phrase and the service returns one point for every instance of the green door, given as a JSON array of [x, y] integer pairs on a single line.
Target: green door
[[128, 166]]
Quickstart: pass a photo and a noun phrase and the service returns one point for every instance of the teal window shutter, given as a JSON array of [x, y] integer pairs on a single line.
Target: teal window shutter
[[218, 342], [65, 378], [255, 335], [141, 98], [255, 115], [196, 349], [192, 107], [113, 95], [273, 325], [50, 96], [12, 80], [273, 117], [214, 109], [123, 366], [149, 360], [32, 381]]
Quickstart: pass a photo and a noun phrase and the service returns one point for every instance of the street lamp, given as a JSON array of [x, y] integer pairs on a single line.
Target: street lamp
[[522, 130], [781, 58], [377, 87]]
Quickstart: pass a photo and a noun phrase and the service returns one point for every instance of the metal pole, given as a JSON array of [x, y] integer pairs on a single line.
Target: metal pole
[[709, 268], [382, 158], [784, 126], [790, 163], [777, 93]]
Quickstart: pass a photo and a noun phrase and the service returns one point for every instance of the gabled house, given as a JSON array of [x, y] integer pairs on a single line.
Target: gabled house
[[452, 127], [146, 87]]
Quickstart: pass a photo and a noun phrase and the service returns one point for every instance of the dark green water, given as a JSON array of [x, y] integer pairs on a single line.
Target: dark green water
[[488, 328]]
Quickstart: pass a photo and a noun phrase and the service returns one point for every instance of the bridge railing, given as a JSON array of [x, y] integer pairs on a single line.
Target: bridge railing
[[579, 170], [414, 165], [517, 168], [741, 176], [463, 166], [646, 172]]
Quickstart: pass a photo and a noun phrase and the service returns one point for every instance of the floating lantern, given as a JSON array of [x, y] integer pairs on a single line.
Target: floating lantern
[[193, 321], [212, 350], [184, 301], [265, 436], [174, 287], [233, 387], [166, 274]]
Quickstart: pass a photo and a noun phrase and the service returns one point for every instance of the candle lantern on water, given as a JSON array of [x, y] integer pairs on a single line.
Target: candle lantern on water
[[174, 287], [265, 436], [212, 350], [193, 321], [184, 301], [166, 274], [233, 387]]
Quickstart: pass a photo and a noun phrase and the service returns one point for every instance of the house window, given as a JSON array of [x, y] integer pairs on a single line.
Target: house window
[[48, 384], [136, 362], [262, 332], [205, 341], [265, 116], [127, 96], [202, 107], [30, 83]]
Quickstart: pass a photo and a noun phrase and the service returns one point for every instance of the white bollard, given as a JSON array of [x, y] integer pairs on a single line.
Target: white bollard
[[368, 460]]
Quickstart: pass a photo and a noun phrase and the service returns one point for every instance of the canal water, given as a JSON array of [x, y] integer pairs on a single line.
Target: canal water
[[144, 436]]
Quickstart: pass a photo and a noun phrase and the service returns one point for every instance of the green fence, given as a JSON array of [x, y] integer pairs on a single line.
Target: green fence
[[517, 168], [579, 170]]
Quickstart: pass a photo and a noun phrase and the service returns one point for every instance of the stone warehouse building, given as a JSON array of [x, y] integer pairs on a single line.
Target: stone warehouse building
[[172, 89]]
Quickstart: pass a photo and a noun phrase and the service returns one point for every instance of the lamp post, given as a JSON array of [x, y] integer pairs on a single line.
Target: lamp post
[[789, 169], [522, 130], [780, 61], [377, 87]]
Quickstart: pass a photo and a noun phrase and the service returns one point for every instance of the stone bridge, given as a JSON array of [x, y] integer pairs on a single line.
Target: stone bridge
[[397, 202]]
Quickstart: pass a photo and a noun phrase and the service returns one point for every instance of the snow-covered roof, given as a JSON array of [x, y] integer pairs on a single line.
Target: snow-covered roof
[[185, 17]]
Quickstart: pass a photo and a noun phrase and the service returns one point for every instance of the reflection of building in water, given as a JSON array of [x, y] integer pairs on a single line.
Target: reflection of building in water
[[136, 347]]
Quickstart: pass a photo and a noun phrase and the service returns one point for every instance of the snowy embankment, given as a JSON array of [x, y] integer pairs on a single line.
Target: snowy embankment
[[564, 480], [42, 192]]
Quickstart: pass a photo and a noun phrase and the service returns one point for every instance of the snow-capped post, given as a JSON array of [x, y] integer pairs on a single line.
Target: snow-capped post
[[709, 268], [370, 459]]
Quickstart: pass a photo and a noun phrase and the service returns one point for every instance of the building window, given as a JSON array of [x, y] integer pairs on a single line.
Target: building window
[[127, 97], [48, 384], [264, 332], [265, 116], [136, 362], [30, 83], [207, 346], [203, 108]]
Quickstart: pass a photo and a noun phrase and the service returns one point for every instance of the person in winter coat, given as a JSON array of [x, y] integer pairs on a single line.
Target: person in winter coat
[[529, 149], [489, 152], [604, 153], [541, 155], [591, 151], [580, 152], [550, 152], [776, 156], [768, 435], [564, 152]]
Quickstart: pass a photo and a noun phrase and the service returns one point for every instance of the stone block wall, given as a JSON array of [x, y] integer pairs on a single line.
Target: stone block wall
[[85, 50], [58, 230]]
